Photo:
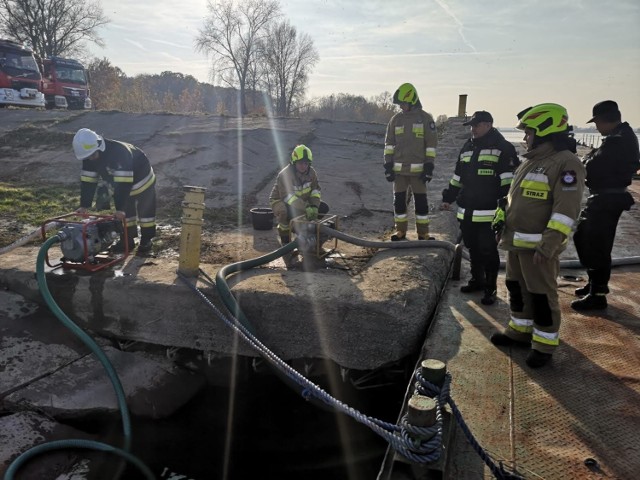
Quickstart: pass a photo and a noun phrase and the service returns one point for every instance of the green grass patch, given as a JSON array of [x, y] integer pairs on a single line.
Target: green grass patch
[[33, 204]]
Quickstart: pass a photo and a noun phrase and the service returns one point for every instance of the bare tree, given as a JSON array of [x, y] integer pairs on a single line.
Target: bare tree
[[288, 60], [229, 36], [52, 27]]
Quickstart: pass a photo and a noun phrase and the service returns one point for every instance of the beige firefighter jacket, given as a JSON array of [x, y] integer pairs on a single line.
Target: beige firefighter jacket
[[296, 190], [544, 201], [410, 142]]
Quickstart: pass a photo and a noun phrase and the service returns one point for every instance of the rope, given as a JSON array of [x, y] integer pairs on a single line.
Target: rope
[[424, 387], [403, 438]]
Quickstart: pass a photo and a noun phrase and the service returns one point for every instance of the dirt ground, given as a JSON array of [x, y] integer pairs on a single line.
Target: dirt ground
[[236, 161]]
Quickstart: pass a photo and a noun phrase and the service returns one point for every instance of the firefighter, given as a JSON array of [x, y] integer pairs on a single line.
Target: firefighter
[[409, 156], [296, 192], [482, 176], [541, 209], [610, 169], [127, 168]]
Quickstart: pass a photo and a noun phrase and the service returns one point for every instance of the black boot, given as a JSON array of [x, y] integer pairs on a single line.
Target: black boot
[[582, 291], [502, 340], [477, 281], [590, 302], [537, 359], [490, 289]]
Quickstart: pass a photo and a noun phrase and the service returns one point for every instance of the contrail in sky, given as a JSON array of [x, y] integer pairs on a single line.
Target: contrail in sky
[[448, 11]]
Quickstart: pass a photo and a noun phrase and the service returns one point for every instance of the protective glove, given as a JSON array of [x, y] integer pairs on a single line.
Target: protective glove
[[427, 172], [311, 212], [497, 224], [389, 174]]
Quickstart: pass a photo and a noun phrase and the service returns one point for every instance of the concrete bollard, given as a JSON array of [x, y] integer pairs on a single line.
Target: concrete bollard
[[421, 412], [190, 235], [434, 371]]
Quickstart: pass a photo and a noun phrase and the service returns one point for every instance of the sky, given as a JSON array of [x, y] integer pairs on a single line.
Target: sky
[[504, 55]]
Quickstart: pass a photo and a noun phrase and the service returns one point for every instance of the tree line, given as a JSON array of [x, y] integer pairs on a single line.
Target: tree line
[[260, 63]]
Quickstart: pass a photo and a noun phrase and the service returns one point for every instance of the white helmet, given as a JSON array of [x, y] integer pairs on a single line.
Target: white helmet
[[86, 142]]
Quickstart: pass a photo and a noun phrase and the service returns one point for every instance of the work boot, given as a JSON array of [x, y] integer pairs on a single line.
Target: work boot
[[396, 237], [119, 246], [590, 302], [145, 246], [425, 237], [502, 340], [472, 285], [284, 239], [489, 297], [582, 291], [537, 359], [491, 288]]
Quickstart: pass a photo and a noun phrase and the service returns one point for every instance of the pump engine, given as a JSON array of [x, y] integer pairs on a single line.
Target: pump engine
[[98, 237]]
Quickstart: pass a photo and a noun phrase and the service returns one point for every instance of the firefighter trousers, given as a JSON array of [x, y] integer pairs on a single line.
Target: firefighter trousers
[[401, 184], [141, 211], [533, 300], [480, 240]]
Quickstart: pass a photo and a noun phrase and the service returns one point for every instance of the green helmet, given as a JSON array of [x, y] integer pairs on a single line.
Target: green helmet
[[301, 152], [545, 119], [406, 93]]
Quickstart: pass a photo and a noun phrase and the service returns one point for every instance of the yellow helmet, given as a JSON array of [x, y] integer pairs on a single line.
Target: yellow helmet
[[406, 93], [301, 152], [545, 119]]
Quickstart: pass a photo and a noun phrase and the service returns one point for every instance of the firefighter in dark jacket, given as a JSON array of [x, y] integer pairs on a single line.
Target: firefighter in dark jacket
[[610, 169], [482, 176], [409, 155], [127, 168], [542, 208]]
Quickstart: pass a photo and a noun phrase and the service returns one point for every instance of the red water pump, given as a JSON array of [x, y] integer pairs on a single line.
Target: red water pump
[[85, 240]]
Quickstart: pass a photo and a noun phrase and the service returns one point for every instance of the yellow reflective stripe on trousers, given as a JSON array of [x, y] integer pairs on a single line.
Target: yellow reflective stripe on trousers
[[143, 184], [523, 325], [547, 338], [422, 220], [400, 218]]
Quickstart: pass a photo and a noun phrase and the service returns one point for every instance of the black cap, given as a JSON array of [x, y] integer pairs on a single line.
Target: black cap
[[481, 116], [602, 108]]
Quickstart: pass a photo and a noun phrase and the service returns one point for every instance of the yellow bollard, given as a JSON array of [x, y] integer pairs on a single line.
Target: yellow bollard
[[462, 106], [192, 211]]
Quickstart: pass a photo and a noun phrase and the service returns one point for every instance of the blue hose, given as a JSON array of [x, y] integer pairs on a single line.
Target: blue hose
[[104, 360]]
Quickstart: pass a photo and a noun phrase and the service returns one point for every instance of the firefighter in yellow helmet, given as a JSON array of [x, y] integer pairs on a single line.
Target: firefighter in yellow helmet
[[541, 210], [296, 192], [409, 155]]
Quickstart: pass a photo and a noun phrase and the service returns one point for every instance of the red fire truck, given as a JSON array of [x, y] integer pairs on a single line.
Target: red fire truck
[[65, 83], [20, 79]]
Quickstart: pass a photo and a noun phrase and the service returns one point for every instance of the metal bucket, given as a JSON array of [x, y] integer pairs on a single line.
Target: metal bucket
[[262, 218]]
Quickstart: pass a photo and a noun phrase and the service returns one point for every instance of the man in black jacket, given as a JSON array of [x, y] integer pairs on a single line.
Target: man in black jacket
[[482, 176], [610, 169], [128, 169]]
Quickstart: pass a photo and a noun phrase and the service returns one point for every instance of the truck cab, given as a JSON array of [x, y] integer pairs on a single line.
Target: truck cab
[[65, 84], [20, 78]]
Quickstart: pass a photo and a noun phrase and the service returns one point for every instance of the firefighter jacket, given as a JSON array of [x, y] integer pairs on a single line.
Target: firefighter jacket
[[614, 163], [296, 190], [544, 201], [126, 167], [410, 142], [482, 176]]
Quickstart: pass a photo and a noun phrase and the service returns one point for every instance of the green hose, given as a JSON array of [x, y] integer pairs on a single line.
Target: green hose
[[115, 380]]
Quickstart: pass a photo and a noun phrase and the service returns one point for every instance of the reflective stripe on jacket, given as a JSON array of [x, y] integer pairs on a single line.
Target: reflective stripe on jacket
[[544, 201], [410, 142]]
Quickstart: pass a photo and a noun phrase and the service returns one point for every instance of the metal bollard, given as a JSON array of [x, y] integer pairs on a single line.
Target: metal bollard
[[190, 235]]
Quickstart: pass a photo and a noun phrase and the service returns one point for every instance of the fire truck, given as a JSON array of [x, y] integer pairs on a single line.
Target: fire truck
[[65, 83], [20, 78]]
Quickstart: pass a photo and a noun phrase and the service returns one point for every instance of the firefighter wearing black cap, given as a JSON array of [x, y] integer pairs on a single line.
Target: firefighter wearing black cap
[[542, 207], [482, 176], [409, 156], [610, 169]]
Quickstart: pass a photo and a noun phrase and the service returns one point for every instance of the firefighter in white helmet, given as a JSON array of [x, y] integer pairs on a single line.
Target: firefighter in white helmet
[[128, 169], [296, 192], [541, 210]]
